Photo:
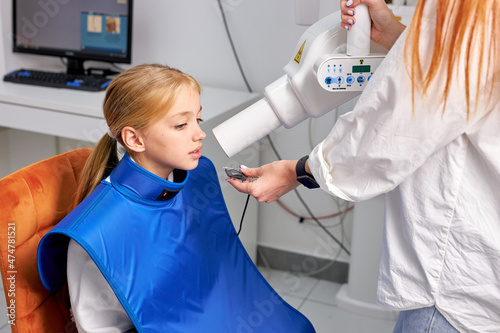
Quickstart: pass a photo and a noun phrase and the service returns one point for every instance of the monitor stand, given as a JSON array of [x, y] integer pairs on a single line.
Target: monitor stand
[[75, 66]]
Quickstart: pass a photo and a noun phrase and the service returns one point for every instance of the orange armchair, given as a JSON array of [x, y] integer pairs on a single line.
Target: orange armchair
[[32, 201]]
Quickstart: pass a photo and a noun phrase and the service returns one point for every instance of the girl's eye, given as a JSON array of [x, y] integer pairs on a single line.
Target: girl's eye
[[183, 125]]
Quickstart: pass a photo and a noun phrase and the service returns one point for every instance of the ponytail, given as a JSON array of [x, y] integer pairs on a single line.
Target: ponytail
[[99, 165]]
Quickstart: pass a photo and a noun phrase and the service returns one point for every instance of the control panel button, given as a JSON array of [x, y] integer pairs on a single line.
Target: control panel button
[[338, 72]]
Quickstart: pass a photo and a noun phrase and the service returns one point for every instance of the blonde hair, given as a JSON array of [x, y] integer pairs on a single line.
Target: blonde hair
[[138, 97], [465, 30]]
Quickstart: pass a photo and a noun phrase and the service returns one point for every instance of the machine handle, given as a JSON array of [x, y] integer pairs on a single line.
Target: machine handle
[[358, 37]]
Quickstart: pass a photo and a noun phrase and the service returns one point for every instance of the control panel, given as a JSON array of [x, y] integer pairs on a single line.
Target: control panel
[[346, 73]]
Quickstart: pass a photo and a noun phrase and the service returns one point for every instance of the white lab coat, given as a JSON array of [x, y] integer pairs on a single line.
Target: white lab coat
[[441, 174]]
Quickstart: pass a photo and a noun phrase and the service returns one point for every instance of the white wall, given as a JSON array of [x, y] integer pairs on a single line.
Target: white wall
[[193, 38], [189, 35]]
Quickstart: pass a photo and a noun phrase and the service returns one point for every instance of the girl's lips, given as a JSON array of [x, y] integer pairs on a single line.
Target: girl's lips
[[196, 153]]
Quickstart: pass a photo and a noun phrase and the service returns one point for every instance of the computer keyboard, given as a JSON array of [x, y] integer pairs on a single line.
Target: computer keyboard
[[58, 80]]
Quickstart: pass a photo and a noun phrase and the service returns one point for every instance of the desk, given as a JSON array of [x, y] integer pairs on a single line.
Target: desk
[[77, 115]]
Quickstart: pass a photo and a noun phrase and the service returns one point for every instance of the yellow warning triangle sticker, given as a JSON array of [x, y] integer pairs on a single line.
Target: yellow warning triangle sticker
[[299, 54]]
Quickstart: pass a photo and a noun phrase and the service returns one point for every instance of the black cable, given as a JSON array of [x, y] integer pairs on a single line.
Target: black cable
[[307, 207], [243, 215], [321, 224], [246, 83], [274, 148], [232, 46]]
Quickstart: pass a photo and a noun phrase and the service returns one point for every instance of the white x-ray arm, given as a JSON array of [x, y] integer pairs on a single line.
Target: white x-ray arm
[[329, 67]]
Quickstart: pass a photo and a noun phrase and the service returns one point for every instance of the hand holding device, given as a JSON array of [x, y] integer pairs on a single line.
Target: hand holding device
[[236, 174], [358, 37]]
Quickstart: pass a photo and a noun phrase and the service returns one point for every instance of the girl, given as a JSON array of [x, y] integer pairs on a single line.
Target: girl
[[151, 247]]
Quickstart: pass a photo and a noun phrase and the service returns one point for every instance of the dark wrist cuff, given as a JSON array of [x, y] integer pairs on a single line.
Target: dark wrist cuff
[[303, 177]]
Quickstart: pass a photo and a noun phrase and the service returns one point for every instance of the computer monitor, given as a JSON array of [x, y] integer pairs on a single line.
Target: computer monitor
[[78, 30]]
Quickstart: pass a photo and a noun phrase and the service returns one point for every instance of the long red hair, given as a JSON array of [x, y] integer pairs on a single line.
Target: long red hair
[[466, 38]]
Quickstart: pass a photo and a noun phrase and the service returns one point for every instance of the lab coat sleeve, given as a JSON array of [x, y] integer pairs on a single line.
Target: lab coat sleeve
[[94, 304], [375, 147]]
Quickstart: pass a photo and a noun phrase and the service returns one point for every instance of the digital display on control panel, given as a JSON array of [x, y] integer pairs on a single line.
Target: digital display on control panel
[[361, 69]]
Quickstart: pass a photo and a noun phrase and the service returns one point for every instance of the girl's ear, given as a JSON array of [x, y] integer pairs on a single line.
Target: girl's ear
[[132, 139]]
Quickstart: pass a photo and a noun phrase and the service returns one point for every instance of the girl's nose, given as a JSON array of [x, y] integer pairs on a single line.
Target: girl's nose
[[200, 135]]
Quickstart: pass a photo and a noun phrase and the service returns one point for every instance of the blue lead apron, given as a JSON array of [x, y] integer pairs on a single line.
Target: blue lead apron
[[171, 255]]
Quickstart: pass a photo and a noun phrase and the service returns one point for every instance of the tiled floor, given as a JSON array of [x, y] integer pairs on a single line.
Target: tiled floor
[[314, 298]]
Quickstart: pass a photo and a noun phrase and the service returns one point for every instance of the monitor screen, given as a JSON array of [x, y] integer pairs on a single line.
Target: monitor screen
[[76, 29]]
